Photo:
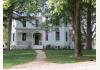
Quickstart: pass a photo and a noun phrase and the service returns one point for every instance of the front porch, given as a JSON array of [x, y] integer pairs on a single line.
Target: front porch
[[26, 39]]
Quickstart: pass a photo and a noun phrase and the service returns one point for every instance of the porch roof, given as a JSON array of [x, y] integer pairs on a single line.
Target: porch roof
[[29, 30]]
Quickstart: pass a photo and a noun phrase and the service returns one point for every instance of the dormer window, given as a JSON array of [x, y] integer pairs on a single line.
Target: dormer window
[[24, 22], [20, 13]]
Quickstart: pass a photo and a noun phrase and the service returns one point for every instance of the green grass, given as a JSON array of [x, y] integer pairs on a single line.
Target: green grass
[[67, 56], [14, 57]]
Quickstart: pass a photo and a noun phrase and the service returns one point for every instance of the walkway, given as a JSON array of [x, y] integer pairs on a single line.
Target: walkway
[[40, 55], [41, 64]]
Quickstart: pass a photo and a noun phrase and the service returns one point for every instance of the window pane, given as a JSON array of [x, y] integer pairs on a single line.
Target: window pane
[[24, 36], [13, 36], [46, 35], [37, 23], [24, 23], [57, 35], [66, 36]]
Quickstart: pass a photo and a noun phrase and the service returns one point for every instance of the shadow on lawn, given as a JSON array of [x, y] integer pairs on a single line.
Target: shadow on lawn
[[14, 57], [67, 56]]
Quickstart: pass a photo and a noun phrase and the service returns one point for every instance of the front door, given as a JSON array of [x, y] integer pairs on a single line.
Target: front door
[[37, 38]]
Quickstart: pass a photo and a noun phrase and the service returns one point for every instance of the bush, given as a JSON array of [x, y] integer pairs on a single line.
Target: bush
[[48, 47], [13, 47], [29, 47], [52, 47]]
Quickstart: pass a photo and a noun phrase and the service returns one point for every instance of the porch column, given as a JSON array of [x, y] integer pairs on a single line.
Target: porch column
[[32, 39], [16, 38]]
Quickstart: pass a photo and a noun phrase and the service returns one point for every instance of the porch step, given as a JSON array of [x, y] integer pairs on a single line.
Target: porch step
[[37, 47]]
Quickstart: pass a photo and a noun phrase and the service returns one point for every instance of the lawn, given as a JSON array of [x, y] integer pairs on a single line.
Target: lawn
[[67, 56], [14, 57]]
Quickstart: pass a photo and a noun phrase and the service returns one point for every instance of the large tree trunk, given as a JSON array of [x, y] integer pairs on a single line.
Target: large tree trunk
[[10, 24], [89, 28], [78, 47]]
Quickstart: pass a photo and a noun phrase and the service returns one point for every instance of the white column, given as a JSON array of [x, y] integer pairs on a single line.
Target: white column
[[32, 38], [16, 38]]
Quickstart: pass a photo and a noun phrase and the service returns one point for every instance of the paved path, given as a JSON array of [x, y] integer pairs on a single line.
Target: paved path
[[40, 55], [41, 64]]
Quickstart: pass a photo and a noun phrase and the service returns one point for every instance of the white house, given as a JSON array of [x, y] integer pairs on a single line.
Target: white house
[[27, 35]]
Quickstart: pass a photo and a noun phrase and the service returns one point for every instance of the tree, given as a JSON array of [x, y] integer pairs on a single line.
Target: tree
[[71, 7], [78, 51], [89, 26]]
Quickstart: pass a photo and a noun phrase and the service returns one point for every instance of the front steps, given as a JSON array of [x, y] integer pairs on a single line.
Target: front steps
[[37, 47]]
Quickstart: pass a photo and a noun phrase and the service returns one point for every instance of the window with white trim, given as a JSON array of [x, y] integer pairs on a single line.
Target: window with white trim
[[46, 35], [66, 36], [13, 36], [57, 35], [23, 36]]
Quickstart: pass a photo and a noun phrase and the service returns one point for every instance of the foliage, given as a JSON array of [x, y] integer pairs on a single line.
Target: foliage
[[58, 9], [5, 34], [21, 5]]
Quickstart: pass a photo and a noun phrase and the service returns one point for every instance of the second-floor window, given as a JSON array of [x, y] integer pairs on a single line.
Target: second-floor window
[[24, 23], [46, 35], [57, 35], [13, 36], [37, 23], [66, 36], [23, 36]]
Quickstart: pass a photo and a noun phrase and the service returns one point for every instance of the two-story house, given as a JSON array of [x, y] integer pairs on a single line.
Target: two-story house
[[26, 33]]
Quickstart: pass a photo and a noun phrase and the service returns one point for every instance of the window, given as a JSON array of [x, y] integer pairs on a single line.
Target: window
[[20, 13], [24, 23], [66, 36], [13, 36], [23, 36], [46, 35], [37, 23], [57, 35]]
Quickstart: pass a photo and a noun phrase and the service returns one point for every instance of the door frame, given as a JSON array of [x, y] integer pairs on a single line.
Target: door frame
[[38, 36]]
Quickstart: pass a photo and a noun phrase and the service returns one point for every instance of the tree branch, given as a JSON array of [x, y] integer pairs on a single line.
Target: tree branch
[[84, 30]]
